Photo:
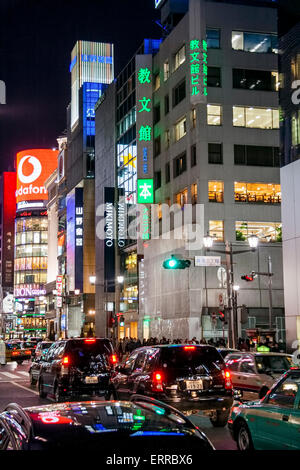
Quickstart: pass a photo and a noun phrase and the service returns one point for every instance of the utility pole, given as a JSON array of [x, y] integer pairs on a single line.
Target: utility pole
[[269, 273]]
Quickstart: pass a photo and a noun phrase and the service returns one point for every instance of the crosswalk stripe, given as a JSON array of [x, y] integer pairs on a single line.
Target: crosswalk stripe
[[9, 375], [23, 372]]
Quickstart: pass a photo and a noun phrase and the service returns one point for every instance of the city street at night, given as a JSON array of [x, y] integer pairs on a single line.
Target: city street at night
[[149, 229]]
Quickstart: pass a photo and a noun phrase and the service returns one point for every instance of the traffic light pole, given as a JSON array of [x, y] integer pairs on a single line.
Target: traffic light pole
[[269, 274], [232, 318]]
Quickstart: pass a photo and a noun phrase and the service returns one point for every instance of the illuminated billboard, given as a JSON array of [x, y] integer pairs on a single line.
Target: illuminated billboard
[[34, 166]]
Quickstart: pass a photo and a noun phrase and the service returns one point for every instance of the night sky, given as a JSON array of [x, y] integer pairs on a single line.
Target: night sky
[[36, 39]]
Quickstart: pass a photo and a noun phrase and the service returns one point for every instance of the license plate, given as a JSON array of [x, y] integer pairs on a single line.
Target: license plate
[[194, 384], [91, 380]]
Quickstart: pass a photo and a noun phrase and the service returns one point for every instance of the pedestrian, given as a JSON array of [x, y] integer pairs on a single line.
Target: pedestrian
[[2, 353]]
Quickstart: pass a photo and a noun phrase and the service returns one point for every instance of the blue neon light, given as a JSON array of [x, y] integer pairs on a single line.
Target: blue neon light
[[96, 58], [156, 433], [91, 94], [73, 63], [151, 46]]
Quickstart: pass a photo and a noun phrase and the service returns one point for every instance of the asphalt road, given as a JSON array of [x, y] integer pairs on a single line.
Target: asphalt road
[[15, 387]]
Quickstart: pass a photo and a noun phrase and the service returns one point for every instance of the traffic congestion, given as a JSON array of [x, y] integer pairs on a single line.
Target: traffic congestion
[[188, 396]]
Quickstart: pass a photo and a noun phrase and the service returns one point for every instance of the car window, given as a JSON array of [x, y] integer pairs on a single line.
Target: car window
[[49, 356], [128, 366], [247, 365], [59, 351], [232, 362], [151, 360], [276, 364], [286, 392], [139, 363]]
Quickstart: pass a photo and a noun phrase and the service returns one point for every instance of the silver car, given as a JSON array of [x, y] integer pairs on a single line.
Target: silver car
[[254, 373]]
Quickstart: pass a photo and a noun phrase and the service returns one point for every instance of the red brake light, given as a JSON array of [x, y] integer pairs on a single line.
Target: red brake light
[[189, 348], [158, 377], [113, 359], [65, 361], [90, 340], [157, 385], [228, 383]]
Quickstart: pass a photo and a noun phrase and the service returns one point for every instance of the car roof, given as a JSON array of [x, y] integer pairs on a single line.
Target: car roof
[[257, 353], [166, 346]]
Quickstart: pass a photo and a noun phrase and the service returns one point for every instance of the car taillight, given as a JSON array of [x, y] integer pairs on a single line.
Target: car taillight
[[15, 353], [90, 340], [66, 360], [228, 383], [28, 352], [157, 379], [113, 359], [189, 348]]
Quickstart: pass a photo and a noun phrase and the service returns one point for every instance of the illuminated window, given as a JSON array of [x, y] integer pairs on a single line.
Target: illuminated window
[[180, 129], [167, 138], [257, 118], [265, 231], [181, 198], [159, 212], [216, 191], [265, 193], [179, 58], [296, 128], [216, 230], [166, 70], [254, 42], [194, 193], [193, 118], [131, 262], [214, 115]]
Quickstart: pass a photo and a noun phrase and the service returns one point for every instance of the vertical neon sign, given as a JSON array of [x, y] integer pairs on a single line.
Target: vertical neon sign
[[198, 67]]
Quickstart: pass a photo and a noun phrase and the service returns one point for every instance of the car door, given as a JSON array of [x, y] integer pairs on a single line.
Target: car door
[[294, 417], [275, 417], [248, 378], [47, 368], [137, 373], [122, 378]]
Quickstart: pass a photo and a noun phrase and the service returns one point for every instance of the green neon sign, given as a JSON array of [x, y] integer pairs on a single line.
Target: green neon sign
[[144, 75], [145, 104], [145, 191], [145, 133], [198, 67]]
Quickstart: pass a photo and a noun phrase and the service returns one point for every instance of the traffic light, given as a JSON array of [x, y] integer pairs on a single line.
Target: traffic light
[[248, 278], [175, 263], [122, 321], [222, 316]]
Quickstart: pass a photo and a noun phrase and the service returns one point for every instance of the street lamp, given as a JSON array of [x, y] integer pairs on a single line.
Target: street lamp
[[120, 279], [77, 291], [236, 288], [231, 288]]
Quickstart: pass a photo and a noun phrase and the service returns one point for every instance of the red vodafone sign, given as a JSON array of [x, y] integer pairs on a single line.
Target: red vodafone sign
[[34, 166]]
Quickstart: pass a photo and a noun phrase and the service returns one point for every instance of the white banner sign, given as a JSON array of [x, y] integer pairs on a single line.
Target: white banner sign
[[207, 260]]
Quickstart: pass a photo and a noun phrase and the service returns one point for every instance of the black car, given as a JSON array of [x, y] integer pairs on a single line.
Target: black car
[[76, 367], [106, 426], [191, 377]]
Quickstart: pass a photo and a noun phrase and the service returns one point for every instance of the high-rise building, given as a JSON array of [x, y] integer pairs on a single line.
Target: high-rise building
[[31, 239], [92, 69], [203, 131]]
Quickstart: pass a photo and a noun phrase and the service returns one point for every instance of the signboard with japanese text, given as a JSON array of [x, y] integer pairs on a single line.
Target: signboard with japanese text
[[197, 53], [207, 260]]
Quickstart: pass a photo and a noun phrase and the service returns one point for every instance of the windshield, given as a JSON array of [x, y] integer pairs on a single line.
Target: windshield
[[82, 351], [28, 344], [192, 359], [276, 364], [12, 346]]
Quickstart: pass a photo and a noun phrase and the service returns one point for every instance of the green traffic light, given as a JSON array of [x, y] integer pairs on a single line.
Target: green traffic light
[[172, 263]]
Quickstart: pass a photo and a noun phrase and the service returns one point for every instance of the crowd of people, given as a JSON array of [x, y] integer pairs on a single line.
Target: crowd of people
[[125, 346]]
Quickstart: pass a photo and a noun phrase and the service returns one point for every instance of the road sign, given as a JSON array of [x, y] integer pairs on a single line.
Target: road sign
[[207, 260]]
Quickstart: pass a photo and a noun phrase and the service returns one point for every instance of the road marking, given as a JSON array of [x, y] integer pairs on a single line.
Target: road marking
[[9, 375], [25, 388], [23, 372]]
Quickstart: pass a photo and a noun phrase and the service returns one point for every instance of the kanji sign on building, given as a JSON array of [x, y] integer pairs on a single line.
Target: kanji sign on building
[[145, 193], [198, 67]]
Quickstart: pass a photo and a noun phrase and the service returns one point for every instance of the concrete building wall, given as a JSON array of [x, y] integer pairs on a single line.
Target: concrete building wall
[[290, 175]]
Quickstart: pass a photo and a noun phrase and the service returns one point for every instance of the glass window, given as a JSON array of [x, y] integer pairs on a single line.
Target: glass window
[[265, 231], [193, 155], [167, 173], [256, 155], [255, 80], [194, 193], [179, 165], [179, 93], [295, 121], [284, 395], [167, 138], [257, 118], [179, 57], [232, 362], [181, 198], [247, 365], [214, 76], [214, 115], [216, 191], [254, 42], [157, 179], [157, 146], [166, 70], [215, 153], [156, 81], [216, 230], [213, 38], [194, 118], [167, 104], [180, 129], [266, 193]]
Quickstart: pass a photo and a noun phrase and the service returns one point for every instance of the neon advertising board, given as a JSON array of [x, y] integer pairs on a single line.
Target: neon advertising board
[[8, 189], [75, 239], [34, 166]]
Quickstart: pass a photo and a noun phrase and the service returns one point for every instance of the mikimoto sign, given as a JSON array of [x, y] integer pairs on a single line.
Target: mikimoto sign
[[34, 166]]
